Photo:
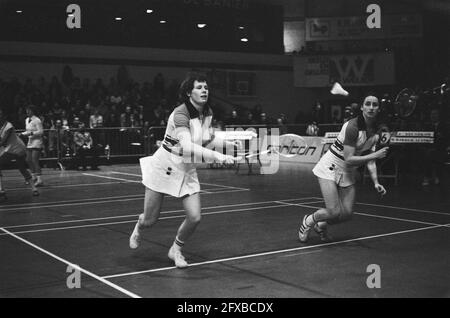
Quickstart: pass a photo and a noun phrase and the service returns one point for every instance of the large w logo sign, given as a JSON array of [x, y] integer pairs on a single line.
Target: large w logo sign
[[357, 69]]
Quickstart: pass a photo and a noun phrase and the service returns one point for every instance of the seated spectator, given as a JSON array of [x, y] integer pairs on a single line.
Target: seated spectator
[[96, 120], [125, 118], [249, 120], [233, 119], [75, 123], [84, 146], [281, 126], [263, 120], [312, 129], [157, 116]]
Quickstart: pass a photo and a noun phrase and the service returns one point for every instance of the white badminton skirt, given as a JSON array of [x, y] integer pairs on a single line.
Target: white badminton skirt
[[332, 168], [161, 173]]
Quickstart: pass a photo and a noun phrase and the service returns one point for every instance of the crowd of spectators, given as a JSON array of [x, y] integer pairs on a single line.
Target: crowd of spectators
[[119, 103]]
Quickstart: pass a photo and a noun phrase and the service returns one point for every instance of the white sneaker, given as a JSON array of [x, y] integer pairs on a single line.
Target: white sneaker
[[303, 231], [135, 238], [178, 258]]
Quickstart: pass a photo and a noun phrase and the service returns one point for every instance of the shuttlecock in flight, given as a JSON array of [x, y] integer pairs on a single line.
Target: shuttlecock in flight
[[338, 90]]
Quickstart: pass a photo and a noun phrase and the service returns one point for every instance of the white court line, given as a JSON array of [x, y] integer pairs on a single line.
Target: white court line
[[101, 279], [368, 215], [398, 208], [222, 260], [67, 202], [127, 173], [134, 215], [213, 184], [133, 221], [406, 209], [30, 206], [223, 186], [68, 185], [302, 253], [111, 178]]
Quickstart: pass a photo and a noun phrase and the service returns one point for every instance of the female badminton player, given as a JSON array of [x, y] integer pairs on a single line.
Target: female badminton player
[[13, 148], [171, 170], [336, 169]]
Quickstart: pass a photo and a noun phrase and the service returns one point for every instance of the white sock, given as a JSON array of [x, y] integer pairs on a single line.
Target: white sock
[[177, 244]]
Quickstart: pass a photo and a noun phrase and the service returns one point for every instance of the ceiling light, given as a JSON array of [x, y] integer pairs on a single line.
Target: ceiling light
[[201, 25], [149, 11], [244, 40], [118, 18]]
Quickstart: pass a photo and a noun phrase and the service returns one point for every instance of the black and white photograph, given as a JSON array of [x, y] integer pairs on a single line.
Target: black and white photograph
[[225, 156]]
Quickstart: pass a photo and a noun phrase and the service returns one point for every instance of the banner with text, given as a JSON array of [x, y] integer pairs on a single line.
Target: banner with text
[[355, 28], [349, 70], [309, 153]]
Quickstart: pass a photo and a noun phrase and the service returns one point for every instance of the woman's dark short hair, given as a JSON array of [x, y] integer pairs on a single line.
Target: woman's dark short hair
[[188, 85], [369, 93]]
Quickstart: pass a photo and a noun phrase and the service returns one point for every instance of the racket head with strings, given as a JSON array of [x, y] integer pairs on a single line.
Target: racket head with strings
[[405, 103]]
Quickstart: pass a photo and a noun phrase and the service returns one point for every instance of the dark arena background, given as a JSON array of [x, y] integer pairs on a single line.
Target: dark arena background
[[112, 69]]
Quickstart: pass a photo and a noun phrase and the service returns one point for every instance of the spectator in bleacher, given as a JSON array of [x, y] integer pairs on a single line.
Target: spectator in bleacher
[[157, 116], [263, 119], [283, 117], [317, 112], [34, 131], [249, 120], [435, 155], [282, 126], [136, 120], [75, 123], [115, 97], [96, 119], [64, 119], [312, 129], [125, 118], [57, 110], [84, 146], [233, 118]]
